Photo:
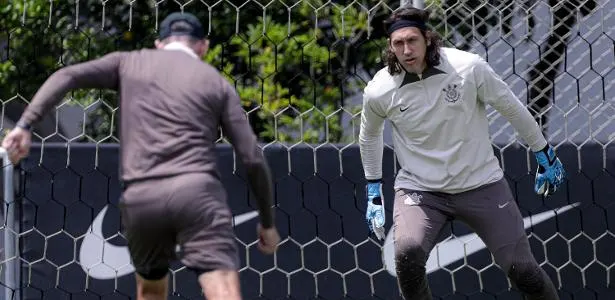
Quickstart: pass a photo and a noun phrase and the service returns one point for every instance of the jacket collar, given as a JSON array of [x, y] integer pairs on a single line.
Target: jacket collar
[[412, 77], [181, 47]]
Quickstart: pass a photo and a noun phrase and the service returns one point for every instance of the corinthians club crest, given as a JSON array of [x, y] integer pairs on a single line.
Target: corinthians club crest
[[451, 93]]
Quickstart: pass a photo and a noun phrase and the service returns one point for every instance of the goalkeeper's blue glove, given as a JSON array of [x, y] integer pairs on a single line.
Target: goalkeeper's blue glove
[[550, 174], [375, 208]]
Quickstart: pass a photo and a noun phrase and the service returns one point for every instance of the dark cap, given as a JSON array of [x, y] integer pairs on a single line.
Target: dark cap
[[179, 23]]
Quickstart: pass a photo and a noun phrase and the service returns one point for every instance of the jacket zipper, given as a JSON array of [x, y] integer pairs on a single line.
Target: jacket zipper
[[424, 88]]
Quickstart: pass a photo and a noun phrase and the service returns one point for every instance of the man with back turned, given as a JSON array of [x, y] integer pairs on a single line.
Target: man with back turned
[[173, 106]]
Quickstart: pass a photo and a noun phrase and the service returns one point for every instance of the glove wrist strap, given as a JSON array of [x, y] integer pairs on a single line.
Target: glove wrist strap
[[549, 155]]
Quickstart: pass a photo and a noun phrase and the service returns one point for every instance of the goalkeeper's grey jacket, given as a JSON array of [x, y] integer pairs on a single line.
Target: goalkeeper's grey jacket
[[440, 126]]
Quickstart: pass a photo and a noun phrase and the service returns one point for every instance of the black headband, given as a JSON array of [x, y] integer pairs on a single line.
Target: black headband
[[405, 23]]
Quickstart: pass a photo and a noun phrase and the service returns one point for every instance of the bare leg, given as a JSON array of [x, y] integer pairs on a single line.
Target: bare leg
[[152, 289], [220, 285]]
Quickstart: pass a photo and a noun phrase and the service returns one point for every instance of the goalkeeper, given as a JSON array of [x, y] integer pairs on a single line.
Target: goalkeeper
[[435, 99], [173, 105]]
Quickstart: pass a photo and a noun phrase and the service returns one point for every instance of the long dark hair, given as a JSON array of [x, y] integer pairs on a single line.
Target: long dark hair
[[432, 55]]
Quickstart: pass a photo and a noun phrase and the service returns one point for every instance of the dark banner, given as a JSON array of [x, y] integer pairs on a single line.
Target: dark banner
[[69, 242]]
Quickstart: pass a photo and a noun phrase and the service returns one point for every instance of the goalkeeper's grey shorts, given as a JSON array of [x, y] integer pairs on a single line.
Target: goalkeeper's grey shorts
[[188, 210], [491, 211]]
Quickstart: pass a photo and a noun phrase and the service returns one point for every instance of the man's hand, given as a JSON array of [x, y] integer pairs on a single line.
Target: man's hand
[[17, 143], [268, 239], [375, 209], [550, 174]]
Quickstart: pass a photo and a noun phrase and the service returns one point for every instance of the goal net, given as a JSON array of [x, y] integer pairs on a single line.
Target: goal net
[[300, 67]]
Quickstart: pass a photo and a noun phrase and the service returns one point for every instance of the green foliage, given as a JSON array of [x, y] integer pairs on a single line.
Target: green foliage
[[292, 76], [294, 63], [271, 56]]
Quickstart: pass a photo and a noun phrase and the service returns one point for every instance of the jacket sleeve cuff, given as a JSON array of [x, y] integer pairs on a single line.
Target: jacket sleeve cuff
[[23, 124]]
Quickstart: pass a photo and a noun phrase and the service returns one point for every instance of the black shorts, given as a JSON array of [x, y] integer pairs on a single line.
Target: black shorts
[[188, 210], [491, 211]]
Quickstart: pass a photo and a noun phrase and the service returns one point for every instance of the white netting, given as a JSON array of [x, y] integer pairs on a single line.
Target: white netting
[[300, 67]]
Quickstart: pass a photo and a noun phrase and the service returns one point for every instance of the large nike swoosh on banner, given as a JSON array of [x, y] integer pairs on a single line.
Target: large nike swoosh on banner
[[102, 260], [456, 249]]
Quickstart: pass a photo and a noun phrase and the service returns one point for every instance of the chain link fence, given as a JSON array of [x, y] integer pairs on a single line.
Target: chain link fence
[[299, 67]]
